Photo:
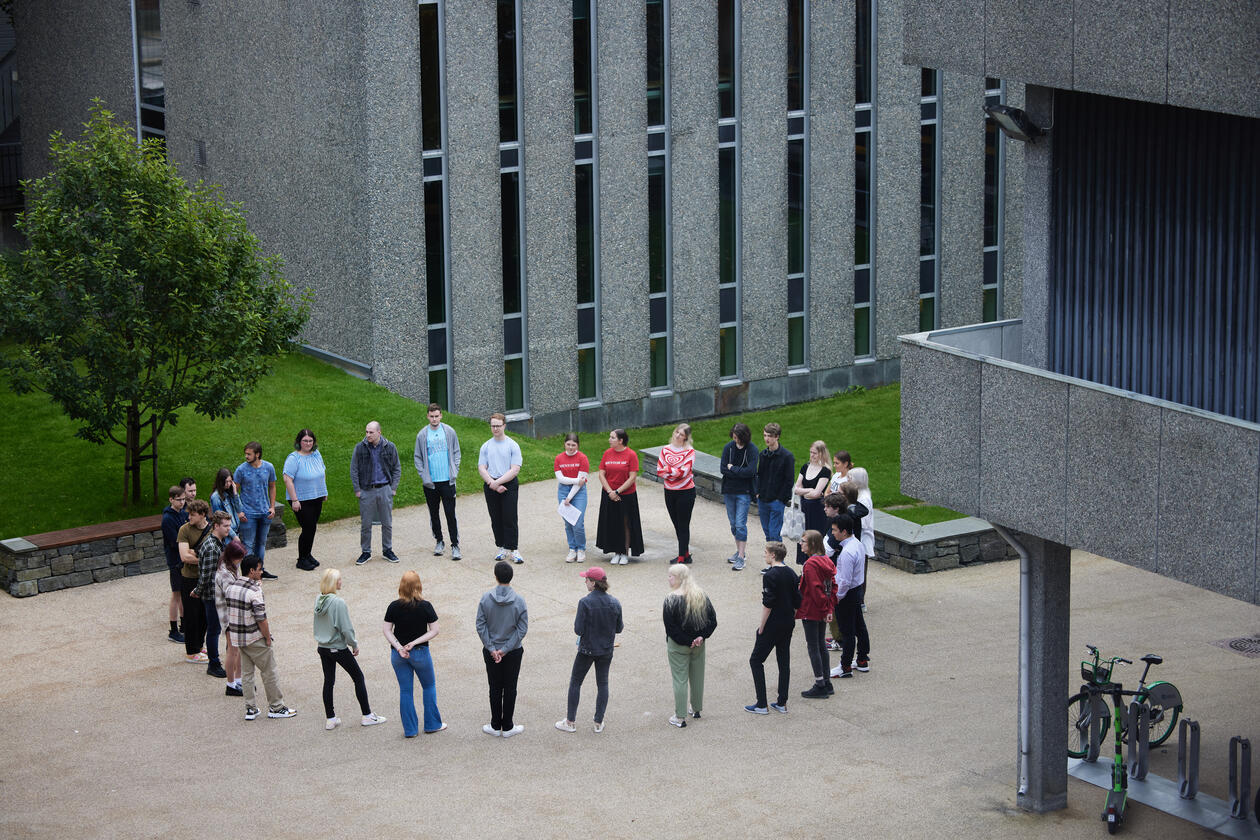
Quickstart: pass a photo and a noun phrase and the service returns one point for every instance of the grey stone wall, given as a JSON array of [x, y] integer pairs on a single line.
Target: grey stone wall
[[940, 554], [1195, 54], [27, 570], [104, 66]]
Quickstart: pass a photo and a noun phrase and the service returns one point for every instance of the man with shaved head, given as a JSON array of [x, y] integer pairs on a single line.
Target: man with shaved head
[[375, 473]]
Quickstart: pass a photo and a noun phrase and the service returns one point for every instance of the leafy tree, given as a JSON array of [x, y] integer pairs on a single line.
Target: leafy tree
[[138, 295]]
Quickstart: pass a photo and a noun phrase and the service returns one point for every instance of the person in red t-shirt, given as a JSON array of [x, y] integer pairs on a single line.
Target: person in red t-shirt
[[572, 468], [620, 532], [817, 605]]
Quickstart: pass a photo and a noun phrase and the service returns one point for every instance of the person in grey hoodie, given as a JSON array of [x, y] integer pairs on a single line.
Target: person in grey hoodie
[[334, 634], [502, 621]]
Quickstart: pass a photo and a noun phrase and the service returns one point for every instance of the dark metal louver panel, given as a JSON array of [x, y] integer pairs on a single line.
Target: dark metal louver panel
[[1155, 262]]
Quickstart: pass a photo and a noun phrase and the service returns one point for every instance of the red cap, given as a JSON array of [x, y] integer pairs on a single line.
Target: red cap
[[593, 573]]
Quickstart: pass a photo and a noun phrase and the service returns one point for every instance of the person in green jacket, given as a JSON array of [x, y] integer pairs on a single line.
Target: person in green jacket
[[334, 634]]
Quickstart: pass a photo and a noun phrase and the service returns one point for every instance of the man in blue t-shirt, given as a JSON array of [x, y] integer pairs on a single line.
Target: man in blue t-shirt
[[256, 483], [498, 463], [437, 461]]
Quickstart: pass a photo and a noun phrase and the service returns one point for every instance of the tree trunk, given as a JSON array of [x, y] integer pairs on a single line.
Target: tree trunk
[[153, 455], [132, 481]]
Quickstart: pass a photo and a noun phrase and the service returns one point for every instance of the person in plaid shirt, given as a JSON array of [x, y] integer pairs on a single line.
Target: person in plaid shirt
[[248, 631], [207, 563]]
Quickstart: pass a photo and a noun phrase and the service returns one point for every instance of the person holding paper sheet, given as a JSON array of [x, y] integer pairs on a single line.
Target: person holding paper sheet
[[572, 468]]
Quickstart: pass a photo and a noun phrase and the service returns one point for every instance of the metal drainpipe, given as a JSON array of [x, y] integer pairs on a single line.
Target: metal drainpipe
[[1025, 645]]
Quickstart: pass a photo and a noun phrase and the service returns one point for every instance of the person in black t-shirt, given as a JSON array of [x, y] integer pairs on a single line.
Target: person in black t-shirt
[[780, 597], [410, 622]]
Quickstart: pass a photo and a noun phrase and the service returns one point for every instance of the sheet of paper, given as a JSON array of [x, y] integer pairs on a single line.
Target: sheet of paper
[[570, 513]]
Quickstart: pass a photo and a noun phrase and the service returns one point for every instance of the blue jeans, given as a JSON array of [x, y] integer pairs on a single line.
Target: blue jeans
[[253, 533], [575, 534], [771, 513], [418, 664], [737, 514]]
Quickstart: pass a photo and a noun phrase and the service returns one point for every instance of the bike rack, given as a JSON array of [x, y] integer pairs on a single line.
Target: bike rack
[[1239, 777], [1139, 715], [1098, 713], [1188, 759]]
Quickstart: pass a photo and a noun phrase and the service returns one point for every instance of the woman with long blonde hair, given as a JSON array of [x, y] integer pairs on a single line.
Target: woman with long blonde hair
[[410, 623], [337, 645], [689, 620], [811, 486]]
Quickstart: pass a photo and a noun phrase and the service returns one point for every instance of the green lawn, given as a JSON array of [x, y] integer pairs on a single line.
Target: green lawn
[[79, 483]]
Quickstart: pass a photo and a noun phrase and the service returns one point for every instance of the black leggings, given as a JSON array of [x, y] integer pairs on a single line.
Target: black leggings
[[330, 659], [679, 503], [308, 518]]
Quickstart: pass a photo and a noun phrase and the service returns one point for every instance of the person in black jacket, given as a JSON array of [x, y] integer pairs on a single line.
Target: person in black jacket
[[739, 477], [776, 472], [689, 620], [597, 624], [780, 598]]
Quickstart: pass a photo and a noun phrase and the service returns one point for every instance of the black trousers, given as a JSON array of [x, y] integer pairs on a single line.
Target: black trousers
[[502, 509], [442, 494], [679, 504], [502, 677], [329, 659], [852, 625], [778, 639], [816, 644], [308, 519], [194, 617]]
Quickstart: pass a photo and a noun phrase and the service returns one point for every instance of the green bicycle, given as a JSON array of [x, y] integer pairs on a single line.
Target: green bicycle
[[1163, 698]]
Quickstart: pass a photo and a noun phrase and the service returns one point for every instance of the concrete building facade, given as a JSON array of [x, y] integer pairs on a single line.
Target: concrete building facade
[[699, 207], [1121, 413]]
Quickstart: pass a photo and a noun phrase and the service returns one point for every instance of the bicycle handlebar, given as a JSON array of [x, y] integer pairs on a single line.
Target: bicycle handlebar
[[1125, 661]]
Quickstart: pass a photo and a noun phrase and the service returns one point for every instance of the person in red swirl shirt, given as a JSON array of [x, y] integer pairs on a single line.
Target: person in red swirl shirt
[[675, 466]]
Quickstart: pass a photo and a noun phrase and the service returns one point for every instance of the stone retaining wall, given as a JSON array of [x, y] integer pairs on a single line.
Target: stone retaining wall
[[42, 564]]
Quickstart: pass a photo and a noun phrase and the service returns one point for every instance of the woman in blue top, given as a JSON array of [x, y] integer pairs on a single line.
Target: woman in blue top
[[306, 491], [226, 499]]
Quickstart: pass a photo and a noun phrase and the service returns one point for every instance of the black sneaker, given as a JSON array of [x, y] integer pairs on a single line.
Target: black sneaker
[[863, 665], [390, 555], [233, 691], [831, 689], [816, 691], [175, 636], [214, 669], [304, 564], [251, 712], [266, 575], [363, 558]]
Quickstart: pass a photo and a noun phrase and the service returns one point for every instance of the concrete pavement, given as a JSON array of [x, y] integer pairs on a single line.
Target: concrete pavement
[[106, 733]]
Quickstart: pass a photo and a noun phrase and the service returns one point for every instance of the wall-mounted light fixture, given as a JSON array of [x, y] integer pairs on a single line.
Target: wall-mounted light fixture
[[1013, 122]]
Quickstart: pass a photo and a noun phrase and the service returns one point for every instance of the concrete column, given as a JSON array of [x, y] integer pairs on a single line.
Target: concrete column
[[1041, 760], [550, 223], [1038, 168], [472, 65]]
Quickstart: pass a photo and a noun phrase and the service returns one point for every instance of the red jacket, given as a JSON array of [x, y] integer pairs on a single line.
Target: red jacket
[[818, 582]]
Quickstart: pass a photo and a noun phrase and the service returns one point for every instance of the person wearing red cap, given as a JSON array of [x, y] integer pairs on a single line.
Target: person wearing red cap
[[597, 624]]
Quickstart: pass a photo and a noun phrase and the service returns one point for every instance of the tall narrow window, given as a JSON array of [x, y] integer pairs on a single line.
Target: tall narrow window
[[929, 199], [511, 200], [659, 241], [150, 82], [864, 181], [436, 231], [586, 182], [729, 238], [994, 204], [798, 181]]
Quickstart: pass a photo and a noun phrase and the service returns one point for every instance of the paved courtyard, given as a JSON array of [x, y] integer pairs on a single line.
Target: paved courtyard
[[106, 733]]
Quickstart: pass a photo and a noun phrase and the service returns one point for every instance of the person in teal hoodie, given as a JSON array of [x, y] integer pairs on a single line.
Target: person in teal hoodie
[[334, 634]]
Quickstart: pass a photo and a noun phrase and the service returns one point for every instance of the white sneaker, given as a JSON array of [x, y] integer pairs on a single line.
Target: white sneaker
[[490, 730], [581, 555], [837, 671], [625, 560], [517, 558], [371, 720], [502, 553], [571, 556], [333, 723], [565, 726], [599, 727], [515, 730]]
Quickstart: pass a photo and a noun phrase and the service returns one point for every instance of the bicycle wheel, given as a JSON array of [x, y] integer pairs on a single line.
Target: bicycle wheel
[[1079, 717]]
